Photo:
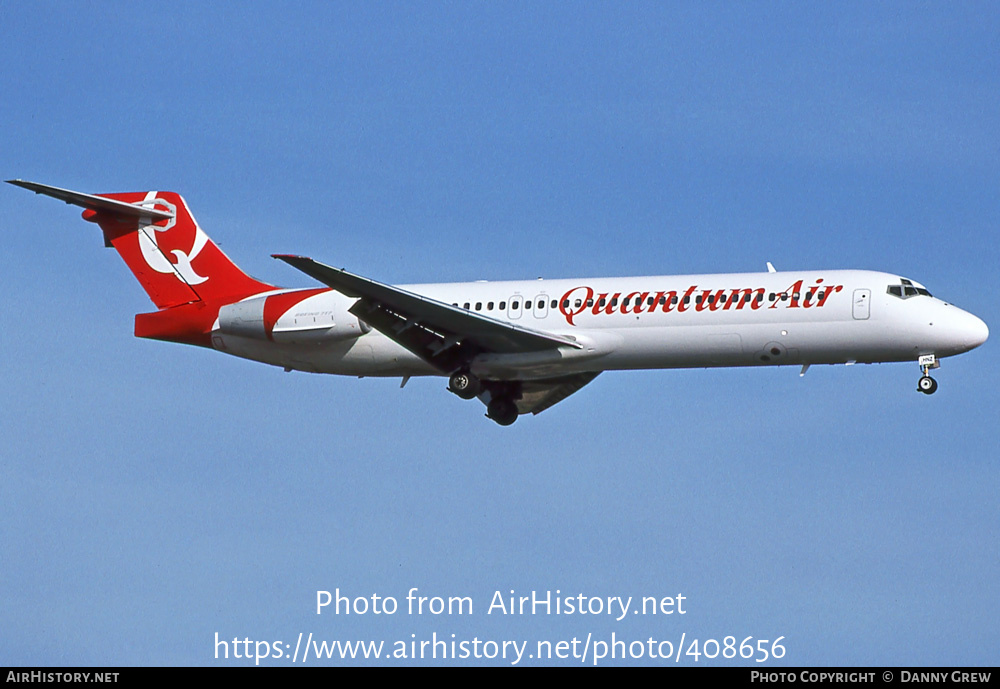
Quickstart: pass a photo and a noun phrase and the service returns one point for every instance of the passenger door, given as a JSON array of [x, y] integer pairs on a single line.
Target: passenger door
[[862, 304]]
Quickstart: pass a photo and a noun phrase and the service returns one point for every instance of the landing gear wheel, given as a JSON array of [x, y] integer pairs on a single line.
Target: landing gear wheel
[[464, 384], [927, 385], [502, 410]]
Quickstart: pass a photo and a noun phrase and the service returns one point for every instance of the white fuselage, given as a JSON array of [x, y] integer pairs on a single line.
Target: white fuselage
[[677, 321]]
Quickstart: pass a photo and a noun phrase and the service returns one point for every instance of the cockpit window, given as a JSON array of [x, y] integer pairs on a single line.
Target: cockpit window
[[906, 289]]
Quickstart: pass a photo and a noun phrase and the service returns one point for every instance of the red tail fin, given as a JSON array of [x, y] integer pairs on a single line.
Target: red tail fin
[[173, 259]]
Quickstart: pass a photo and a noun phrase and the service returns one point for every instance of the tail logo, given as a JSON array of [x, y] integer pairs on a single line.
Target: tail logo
[[156, 258]]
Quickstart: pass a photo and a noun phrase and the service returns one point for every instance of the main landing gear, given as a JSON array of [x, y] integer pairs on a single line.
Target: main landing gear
[[502, 405], [503, 410], [465, 385], [926, 384]]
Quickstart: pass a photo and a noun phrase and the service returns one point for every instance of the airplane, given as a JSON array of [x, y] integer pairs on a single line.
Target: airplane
[[521, 346]]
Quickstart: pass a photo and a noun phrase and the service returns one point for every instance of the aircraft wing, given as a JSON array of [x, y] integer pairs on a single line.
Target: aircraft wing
[[443, 335]]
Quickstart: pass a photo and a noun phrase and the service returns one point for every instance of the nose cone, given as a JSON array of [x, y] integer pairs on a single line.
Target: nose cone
[[965, 331], [976, 331], [956, 331]]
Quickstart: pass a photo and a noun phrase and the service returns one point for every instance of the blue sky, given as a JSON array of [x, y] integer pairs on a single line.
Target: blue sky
[[155, 495]]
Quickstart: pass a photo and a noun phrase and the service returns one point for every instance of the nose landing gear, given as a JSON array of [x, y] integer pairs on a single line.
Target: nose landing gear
[[926, 384]]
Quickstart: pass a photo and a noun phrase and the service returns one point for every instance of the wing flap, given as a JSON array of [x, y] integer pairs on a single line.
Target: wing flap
[[539, 395]]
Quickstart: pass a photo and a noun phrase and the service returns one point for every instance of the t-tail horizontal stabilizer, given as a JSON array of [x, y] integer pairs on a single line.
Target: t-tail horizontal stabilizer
[[94, 203]]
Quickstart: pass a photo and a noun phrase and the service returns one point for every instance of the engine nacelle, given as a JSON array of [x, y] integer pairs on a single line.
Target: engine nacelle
[[300, 317]]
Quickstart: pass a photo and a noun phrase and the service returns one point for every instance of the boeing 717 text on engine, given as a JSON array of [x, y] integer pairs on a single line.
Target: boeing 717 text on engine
[[520, 347]]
